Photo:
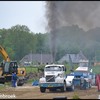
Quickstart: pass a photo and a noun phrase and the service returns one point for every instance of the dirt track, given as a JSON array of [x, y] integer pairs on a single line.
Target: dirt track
[[33, 92]]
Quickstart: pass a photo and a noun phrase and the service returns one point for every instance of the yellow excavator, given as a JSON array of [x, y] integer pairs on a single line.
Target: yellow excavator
[[8, 66]]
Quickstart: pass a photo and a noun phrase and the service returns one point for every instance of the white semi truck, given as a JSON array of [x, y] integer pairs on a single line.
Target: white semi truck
[[55, 78]]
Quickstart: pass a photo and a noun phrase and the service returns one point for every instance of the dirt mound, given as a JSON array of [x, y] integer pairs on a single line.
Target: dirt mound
[[33, 76]]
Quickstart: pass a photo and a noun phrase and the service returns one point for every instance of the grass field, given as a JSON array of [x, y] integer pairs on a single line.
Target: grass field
[[96, 69], [35, 69], [31, 69], [3, 86]]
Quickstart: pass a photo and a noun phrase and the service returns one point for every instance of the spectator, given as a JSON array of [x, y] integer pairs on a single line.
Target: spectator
[[14, 79]]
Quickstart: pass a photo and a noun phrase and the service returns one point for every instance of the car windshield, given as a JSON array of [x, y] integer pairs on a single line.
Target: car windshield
[[53, 68]]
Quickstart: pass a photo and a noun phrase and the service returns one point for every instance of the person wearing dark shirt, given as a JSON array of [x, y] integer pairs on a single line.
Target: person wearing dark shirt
[[14, 79]]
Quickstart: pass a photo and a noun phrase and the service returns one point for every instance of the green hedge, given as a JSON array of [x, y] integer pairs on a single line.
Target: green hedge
[[41, 68]]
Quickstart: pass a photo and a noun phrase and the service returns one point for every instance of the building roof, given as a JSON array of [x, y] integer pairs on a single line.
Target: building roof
[[37, 58], [75, 58]]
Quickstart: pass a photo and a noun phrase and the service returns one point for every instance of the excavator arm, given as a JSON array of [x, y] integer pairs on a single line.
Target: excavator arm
[[8, 67], [4, 54]]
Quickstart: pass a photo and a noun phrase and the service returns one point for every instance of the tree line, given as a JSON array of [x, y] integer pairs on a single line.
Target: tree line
[[20, 41]]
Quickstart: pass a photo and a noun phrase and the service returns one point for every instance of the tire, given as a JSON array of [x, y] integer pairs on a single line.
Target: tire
[[20, 82], [42, 89], [2, 80], [72, 88], [63, 89], [87, 85], [90, 85]]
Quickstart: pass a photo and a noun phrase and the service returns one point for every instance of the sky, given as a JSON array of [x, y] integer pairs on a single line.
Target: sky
[[29, 13]]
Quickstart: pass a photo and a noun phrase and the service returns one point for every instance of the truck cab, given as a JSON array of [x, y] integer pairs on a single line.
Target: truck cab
[[54, 78], [54, 70]]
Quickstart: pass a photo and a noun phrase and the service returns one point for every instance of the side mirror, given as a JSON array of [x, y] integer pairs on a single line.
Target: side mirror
[[71, 70]]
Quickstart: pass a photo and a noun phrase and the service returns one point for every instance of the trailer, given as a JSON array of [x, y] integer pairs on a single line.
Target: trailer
[[81, 80]]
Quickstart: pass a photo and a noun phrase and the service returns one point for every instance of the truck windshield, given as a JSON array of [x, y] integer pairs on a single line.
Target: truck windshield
[[53, 68], [79, 73]]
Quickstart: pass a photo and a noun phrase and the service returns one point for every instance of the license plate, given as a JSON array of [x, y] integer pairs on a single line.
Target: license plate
[[50, 86]]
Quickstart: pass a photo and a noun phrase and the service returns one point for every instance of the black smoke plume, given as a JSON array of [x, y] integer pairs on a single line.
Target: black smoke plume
[[85, 14]]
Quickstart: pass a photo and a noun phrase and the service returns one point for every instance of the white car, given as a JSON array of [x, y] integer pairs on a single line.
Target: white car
[[69, 82]]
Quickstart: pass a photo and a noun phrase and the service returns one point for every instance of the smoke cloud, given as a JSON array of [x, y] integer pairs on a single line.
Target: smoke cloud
[[85, 14]]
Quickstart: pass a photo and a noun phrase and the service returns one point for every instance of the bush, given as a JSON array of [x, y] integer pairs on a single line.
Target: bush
[[96, 69], [75, 96]]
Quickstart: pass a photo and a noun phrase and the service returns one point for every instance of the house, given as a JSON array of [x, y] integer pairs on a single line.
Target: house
[[75, 58], [97, 60], [37, 59]]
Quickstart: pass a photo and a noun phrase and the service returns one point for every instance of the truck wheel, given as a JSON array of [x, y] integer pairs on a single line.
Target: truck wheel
[[72, 88], [63, 89], [90, 85], [19, 84], [42, 89]]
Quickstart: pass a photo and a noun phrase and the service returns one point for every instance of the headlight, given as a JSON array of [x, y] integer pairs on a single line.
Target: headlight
[[59, 80], [42, 80], [60, 75], [68, 83]]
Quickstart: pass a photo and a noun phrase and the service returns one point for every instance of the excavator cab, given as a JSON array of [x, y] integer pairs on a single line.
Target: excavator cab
[[8, 68]]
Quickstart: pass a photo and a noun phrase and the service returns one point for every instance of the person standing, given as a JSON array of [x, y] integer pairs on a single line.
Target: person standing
[[82, 82], [14, 79], [98, 82]]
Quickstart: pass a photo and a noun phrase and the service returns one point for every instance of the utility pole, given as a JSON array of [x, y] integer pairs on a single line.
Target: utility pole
[[31, 58], [41, 57]]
